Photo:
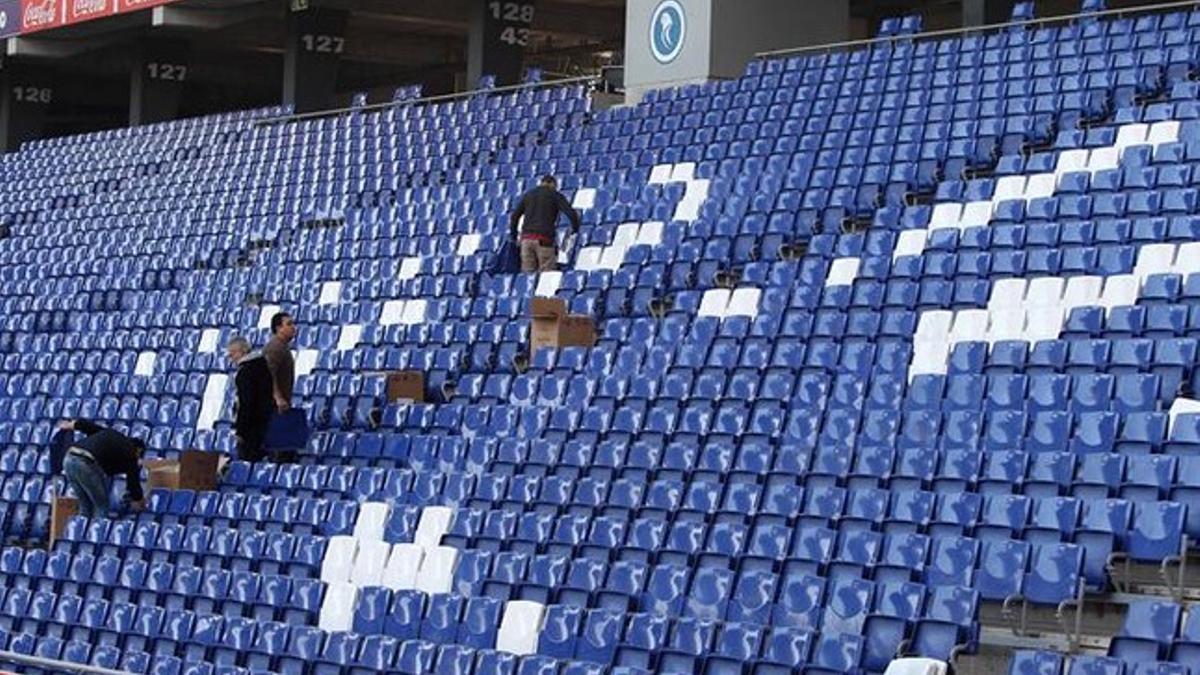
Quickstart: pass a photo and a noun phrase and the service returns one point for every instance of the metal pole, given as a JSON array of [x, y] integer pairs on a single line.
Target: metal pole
[[430, 99], [974, 29], [55, 664]]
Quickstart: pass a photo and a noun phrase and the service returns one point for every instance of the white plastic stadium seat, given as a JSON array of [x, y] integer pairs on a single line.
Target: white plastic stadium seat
[[1009, 187], [660, 174], [585, 198], [339, 559], [1040, 185], [520, 627], [650, 233], [917, 666], [1120, 291], [337, 609], [1007, 293], [403, 566], [392, 312], [1071, 161], [842, 272], [626, 234], [414, 312], [1187, 259], [683, 172], [1082, 291], [910, 242], [588, 259], [1131, 134], [744, 302], [1044, 323], [1102, 159], [349, 336], [1045, 292], [976, 214], [713, 302], [437, 570], [934, 326], [369, 563], [1166, 131], [1006, 324], [1154, 259], [548, 284], [372, 517], [1181, 406], [970, 325], [434, 522], [945, 215]]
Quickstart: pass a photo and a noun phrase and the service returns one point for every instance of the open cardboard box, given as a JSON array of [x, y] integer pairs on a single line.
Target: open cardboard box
[[406, 385], [554, 328], [194, 470]]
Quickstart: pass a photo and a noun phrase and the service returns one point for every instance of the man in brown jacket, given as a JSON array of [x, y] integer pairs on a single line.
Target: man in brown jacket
[[278, 353]]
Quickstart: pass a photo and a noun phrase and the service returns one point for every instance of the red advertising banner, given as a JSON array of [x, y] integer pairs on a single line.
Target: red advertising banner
[[134, 5], [86, 10], [39, 15]]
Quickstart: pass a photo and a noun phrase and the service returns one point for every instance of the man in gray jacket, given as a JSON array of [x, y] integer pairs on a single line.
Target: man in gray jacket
[[541, 208]]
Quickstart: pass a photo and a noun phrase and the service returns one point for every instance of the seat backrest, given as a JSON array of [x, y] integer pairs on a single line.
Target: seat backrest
[[437, 570], [520, 627]]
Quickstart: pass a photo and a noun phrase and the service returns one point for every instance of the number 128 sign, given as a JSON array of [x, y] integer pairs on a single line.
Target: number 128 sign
[[512, 21]]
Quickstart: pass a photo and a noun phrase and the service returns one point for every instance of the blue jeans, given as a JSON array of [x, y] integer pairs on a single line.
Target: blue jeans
[[90, 484]]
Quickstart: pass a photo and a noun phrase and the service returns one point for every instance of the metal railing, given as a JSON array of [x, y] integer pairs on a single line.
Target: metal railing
[[966, 30], [441, 98], [55, 664]]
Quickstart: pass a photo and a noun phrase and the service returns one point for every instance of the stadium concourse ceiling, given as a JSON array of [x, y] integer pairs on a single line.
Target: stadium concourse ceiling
[[387, 41]]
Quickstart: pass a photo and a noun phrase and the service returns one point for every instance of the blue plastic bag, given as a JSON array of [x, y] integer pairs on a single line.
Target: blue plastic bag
[[287, 431], [508, 259]]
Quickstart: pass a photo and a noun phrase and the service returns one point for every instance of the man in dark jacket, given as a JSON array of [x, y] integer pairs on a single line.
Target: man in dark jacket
[[541, 208], [91, 463], [255, 399]]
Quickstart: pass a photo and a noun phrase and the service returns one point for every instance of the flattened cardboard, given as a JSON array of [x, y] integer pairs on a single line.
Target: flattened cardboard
[[61, 510]]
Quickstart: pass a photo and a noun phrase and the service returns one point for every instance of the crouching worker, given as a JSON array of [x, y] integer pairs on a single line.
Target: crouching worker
[[90, 464]]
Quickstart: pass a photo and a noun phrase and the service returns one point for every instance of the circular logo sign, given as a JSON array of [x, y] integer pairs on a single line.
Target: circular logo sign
[[668, 29]]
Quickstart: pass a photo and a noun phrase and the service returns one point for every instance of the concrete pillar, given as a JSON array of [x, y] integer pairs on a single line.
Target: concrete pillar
[[674, 42], [28, 93], [157, 83], [497, 37], [316, 39], [986, 12]]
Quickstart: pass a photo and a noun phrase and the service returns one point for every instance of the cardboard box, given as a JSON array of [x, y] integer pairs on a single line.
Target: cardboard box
[[406, 385], [61, 510], [553, 328], [194, 470], [548, 308]]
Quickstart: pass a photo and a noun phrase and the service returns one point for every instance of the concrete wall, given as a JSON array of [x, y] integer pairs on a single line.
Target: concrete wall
[[642, 71], [723, 36]]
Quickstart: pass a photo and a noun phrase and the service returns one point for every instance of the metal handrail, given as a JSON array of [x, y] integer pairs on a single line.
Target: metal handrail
[[55, 664], [946, 32], [333, 112]]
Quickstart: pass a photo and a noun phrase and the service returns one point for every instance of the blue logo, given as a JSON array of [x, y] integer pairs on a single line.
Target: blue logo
[[668, 30]]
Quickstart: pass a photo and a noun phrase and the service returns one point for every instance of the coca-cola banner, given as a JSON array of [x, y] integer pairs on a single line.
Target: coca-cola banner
[[32, 16], [41, 14], [135, 5]]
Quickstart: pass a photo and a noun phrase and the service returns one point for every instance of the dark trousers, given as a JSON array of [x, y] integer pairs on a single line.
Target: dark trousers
[[250, 449]]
